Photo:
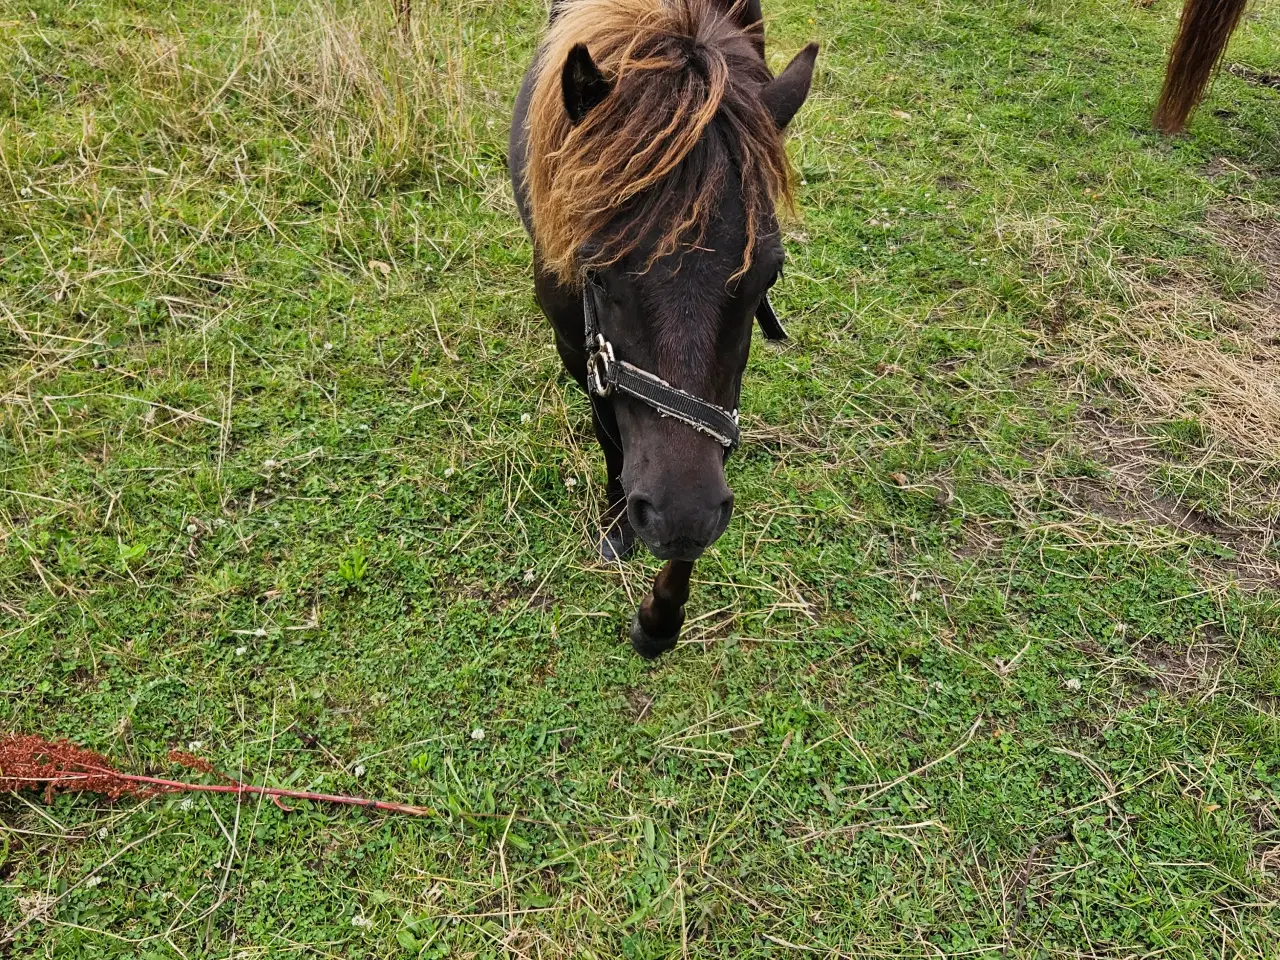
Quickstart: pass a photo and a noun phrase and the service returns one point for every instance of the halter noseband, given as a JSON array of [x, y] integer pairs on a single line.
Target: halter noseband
[[606, 373]]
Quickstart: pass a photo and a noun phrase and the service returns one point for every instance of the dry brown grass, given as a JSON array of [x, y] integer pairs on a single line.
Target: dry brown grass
[[345, 81], [363, 101], [1173, 347], [1180, 347]]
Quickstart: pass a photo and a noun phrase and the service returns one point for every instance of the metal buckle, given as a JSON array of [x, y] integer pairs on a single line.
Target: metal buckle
[[600, 367]]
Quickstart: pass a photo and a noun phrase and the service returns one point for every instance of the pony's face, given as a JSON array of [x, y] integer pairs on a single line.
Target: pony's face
[[686, 316], [689, 320]]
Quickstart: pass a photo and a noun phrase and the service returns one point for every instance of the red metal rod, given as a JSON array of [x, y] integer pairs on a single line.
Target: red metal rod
[[177, 786]]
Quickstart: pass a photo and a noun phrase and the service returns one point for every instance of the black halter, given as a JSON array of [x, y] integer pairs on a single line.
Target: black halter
[[606, 373]]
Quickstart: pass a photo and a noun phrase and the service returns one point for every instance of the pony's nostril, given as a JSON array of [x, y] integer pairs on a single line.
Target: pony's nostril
[[641, 512], [726, 511]]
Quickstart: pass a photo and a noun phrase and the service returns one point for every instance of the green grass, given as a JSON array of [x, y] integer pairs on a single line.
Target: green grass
[[985, 666]]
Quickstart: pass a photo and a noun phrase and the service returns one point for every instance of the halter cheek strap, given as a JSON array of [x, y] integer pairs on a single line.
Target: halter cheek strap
[[606, 373]]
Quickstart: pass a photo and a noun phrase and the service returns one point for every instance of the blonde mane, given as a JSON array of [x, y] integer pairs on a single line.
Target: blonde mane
[[642, 164]]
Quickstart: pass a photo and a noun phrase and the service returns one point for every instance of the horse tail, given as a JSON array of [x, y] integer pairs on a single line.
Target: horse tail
[[1203, 33]]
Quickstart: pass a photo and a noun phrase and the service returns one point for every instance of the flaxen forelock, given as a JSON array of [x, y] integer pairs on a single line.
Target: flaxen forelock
[[642, 166]]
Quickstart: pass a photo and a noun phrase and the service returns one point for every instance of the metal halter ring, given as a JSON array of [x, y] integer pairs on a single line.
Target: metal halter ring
[[600, 367]]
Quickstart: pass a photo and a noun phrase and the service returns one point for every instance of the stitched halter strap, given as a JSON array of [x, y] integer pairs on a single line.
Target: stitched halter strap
[[606, 373]]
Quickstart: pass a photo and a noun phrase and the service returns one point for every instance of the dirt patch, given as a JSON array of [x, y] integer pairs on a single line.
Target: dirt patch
[[1127, 496], [639, 703], [1266, 858], [1222, 167], [981, 541], [1265, 820], [1257, 78], [1103, 500], [516, 594], [1198, 668]]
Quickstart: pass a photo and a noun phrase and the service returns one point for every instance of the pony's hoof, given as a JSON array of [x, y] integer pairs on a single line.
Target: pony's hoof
[[617, 544], [646, 644]]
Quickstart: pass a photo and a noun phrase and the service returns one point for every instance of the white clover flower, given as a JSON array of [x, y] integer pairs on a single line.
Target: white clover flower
[[477, 733]]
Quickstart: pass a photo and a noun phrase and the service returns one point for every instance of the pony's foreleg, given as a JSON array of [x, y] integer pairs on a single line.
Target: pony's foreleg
[[617, 538], [656, 625]]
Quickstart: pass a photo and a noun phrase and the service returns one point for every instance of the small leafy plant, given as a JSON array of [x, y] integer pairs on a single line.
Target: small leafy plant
[[353, 565]]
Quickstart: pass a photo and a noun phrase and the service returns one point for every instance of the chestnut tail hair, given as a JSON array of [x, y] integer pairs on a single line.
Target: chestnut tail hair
[[1203, 32]]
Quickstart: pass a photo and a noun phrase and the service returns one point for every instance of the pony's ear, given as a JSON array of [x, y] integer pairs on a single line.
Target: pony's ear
[[748, 15], [784, 94], [582, 83]]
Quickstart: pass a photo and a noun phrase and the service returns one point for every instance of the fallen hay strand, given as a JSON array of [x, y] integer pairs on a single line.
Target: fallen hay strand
[[30, 762]]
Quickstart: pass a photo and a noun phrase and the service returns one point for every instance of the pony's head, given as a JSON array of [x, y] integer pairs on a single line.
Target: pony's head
[[656, 166]]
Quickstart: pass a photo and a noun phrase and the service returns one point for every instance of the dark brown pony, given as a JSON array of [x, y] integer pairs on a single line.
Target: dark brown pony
[[646, 152], [1203, 32]]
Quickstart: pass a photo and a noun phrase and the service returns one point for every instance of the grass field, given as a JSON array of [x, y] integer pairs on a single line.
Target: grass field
[[987, 664]]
